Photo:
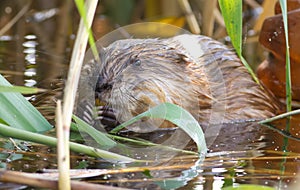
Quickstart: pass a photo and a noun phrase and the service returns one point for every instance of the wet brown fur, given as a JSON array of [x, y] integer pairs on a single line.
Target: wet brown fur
[[212, 85]]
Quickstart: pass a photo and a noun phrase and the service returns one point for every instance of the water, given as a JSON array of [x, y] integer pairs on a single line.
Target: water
[[244, 153]]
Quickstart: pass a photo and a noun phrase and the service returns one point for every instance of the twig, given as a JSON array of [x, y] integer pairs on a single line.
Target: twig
[[190, 16], [281, 116], [208, 15], [74, 74], [41, 182], [266, 13], [76, 63], [282, 132], [15, 19], [253, 4], [63, 153], [51, 141], [219, 18]]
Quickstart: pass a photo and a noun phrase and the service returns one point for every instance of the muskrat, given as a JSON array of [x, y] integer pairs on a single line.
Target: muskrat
[[195, 72]]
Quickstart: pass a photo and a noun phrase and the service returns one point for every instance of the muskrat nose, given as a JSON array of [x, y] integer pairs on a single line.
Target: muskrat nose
[[102, 85]]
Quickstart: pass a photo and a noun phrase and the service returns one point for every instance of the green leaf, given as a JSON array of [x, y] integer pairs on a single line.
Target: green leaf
[[176, 115], [249, 187], [106, 139], [83, 14], [147, 173], [82, 165], [51, 141], [16, 111], [21, 89], [99, 137], [232, 13], [288, 87]]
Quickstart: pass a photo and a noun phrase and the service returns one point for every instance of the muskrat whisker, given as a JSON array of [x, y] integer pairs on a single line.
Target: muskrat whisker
[[132, 98]]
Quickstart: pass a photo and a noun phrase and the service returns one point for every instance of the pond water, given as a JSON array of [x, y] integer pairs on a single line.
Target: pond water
[[35, 52]]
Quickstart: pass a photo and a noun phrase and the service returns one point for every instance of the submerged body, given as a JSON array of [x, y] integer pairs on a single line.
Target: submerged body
[[195, 72]]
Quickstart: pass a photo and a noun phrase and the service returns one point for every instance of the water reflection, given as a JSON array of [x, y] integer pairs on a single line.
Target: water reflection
[[241, 154]]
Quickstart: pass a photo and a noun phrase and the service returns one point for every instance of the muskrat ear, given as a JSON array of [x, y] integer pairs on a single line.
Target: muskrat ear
[[184, 58]]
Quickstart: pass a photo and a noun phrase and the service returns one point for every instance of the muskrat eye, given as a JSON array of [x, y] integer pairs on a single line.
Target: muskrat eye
[[137, 62], [133, 60]]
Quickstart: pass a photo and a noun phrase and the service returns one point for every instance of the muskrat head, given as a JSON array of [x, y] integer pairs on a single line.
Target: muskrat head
[[139, 74]]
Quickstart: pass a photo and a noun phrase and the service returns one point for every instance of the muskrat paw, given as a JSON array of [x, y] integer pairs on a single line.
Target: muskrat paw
[[87, 112], [107, 117]]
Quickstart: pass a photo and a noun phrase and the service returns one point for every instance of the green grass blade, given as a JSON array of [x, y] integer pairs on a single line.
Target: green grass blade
[[82, 11], [106, 139], [232, 13], [51, 141], [99, 137], [249, 187], [281, 116], [176, 115], [283, 5], [16, 111], [21, 89]]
